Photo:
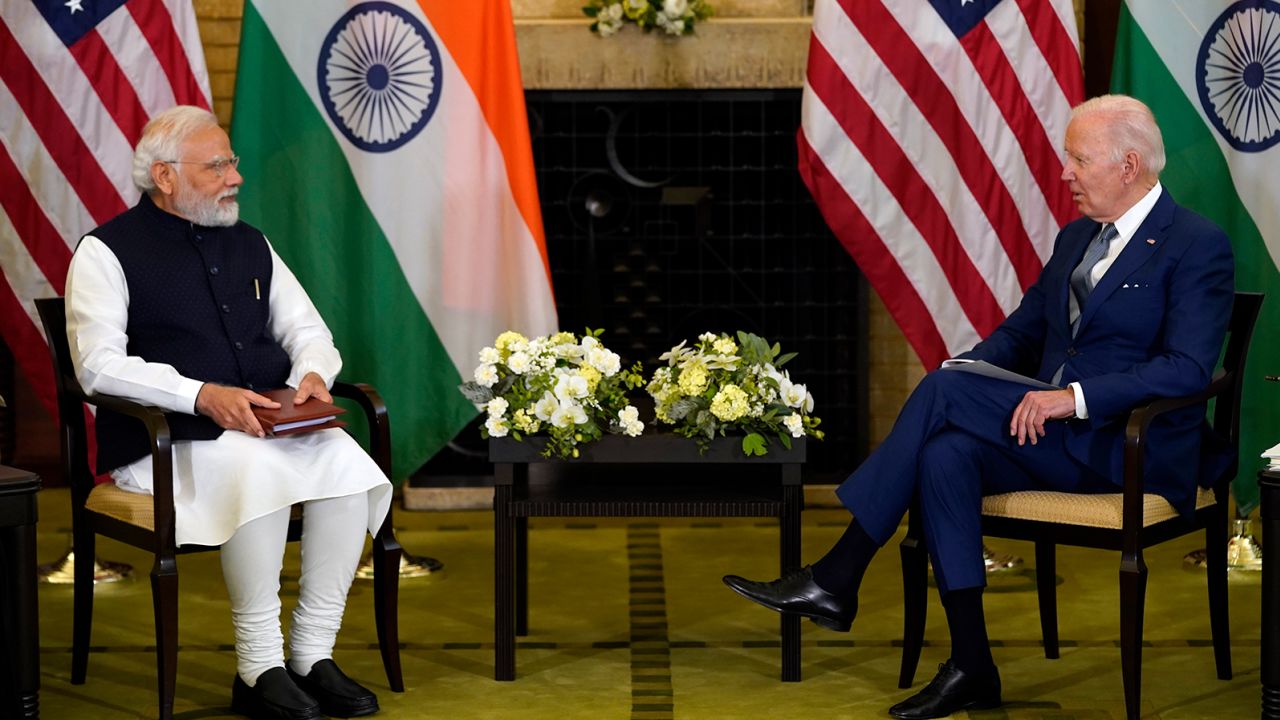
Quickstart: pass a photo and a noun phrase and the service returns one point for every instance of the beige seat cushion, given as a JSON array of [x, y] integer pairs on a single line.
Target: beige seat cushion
[[1101, 511], [133, 508]]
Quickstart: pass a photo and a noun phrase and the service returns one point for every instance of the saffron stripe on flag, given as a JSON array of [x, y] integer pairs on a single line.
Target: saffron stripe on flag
[[481, 41]]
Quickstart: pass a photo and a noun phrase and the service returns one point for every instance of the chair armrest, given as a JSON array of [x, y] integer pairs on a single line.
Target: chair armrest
[[157, 426], [1140, 417], [375, 412], [1135, 438]]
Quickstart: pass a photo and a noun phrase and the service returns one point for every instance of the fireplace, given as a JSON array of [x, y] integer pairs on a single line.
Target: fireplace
[[673, 212]]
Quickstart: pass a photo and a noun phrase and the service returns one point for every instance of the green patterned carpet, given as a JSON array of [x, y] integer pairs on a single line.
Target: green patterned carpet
[[630, 620]]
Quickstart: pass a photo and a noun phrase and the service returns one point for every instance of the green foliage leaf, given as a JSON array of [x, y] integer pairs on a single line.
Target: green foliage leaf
[[753, 444], [684, 406], [476, 392]]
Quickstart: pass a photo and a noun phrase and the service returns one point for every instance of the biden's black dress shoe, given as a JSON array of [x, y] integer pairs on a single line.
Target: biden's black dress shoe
[[273, 697], [338, 695], [950, 690], [798, 593]]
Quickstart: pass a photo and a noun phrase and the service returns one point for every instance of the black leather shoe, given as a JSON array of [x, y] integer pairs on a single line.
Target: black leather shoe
[[338, 695], [273, 697], [950, 690], [798, 593]]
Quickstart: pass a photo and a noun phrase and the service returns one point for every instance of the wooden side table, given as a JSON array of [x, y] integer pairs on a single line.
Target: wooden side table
[[1269, 483], [19, 621], [709, 487]]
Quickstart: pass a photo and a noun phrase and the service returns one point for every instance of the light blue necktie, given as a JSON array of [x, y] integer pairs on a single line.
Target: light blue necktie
[[1082, 278]]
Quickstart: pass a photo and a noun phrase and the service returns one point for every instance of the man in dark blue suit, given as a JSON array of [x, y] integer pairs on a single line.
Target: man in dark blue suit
[[1132, 306]]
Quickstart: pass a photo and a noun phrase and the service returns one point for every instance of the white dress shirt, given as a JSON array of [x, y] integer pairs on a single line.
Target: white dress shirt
[[1126, 227], [98, 315], [218, 485]]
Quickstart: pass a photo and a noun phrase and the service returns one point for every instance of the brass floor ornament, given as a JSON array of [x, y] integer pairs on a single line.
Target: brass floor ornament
[[62, 570], [411, 566]]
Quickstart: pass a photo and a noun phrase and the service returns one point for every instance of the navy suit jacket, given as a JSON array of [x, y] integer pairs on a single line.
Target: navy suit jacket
[[1152, 328]]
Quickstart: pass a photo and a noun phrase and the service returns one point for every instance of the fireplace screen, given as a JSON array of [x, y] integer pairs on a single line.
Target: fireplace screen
[[670, 213]]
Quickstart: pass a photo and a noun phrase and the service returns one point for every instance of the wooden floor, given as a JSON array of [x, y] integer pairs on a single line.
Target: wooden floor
[[630, 620]]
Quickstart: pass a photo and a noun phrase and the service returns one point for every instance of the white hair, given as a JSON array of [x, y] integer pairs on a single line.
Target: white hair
[[162, 139], [1132, 128]]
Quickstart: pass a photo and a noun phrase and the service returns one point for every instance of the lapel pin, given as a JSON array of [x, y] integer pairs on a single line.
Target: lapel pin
[[1151, 241]]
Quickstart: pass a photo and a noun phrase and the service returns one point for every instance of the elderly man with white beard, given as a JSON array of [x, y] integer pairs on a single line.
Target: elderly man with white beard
[[175, 303]]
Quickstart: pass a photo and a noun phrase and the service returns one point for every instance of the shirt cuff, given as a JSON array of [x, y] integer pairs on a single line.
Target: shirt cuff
[[1082, 410], [186, 392]]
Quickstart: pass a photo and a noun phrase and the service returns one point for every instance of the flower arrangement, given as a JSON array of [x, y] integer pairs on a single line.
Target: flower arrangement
[[572, 390], [674, 17], [720, 386]]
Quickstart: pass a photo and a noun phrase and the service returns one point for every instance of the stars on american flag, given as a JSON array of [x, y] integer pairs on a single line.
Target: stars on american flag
[[74, 5], [965, 2]]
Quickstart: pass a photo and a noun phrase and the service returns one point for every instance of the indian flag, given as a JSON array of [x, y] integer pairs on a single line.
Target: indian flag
[[1209, 69], [386, 157]]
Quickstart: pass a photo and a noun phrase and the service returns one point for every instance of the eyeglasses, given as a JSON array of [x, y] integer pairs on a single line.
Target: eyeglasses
[[218, 166]]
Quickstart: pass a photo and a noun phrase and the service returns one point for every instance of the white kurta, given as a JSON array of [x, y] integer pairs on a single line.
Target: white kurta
[[218, 484]]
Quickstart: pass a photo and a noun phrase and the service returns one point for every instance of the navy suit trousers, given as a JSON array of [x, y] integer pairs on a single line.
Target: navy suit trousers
[[950, 446]]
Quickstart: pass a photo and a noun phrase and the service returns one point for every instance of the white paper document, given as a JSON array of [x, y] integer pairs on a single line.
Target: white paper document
[[982, 367], [1273, 457]]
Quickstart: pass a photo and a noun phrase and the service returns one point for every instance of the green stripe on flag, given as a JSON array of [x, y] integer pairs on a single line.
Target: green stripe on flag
[[301, 192], [1198, 177]]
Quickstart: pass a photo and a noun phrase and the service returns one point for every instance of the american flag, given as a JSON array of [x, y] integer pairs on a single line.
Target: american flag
[[78, 81], [931, 135]]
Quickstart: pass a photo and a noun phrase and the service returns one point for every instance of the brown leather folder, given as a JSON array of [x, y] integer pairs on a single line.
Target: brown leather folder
[[290, 419]]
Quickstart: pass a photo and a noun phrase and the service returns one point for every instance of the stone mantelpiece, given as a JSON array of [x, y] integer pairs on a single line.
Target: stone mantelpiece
[[723, 8], [560, 53]]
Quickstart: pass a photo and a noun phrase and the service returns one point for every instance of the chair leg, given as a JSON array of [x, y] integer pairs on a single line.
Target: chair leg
[[1047, 591], [386, 603], [915, 591], [82, 544], [1215, 544], [1133, 591], [164, 599]]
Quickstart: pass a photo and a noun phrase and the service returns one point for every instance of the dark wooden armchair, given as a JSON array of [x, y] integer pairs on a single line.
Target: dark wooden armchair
[[147, 522], [1128, 521]]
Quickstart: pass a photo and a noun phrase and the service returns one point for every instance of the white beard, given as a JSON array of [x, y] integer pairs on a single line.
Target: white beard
[[210, 212]]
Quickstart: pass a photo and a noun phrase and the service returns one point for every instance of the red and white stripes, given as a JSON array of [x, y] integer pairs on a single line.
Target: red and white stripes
[[936, 158], [69, 118]]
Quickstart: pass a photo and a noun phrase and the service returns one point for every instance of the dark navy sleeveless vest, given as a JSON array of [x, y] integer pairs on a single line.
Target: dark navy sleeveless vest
[[197, 301]]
